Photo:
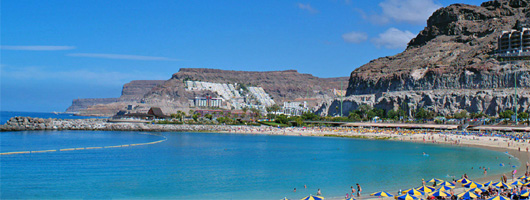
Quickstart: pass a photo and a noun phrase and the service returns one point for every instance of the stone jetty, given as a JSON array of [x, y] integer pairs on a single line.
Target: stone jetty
[[31, 123]]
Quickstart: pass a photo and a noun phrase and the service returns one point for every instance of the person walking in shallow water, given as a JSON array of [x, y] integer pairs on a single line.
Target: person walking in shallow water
[[359, 190], [319, 193]]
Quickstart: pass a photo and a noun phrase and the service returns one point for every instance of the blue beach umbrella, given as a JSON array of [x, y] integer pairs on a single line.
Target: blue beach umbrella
[[439, 194], [312, 197], [413, 192], [285, 198], [463, 181], [444, 188], [467, 195], [486, 184], [522, 177], [517, 183], [382, 194], [477, 190], [473, 184], [525, 193], [407, 197], [436, 180], [502, 184], [446, 183], [351, 198], [498, 197], [426, 189]]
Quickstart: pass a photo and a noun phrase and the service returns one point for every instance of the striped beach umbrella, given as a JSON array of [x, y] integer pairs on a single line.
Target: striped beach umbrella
[[439, 194], [467, 195], [502, 184], [426, 189], [312, 197], [498, 197], [463, 180], [446, 183], [436, 180], [382, 194], [444, 188], [473, 184], [526, 184], [408, 197], [517, 183], [486, 184], [285, 198], [522, 177], [351, 198], [413, 192]]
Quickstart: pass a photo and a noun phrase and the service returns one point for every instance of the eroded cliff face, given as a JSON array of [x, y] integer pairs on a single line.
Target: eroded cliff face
[[280, 85], [445, 102], [454, 51], [135, 90]]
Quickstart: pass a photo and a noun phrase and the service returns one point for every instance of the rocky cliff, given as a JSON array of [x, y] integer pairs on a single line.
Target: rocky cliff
[[449, 66], [454, 51], [280, 85]]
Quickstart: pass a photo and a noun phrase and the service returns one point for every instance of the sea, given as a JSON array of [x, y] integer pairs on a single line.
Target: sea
[[224, 166]]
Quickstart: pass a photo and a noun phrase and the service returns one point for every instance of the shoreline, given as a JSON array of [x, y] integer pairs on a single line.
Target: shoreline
[[495, 143]]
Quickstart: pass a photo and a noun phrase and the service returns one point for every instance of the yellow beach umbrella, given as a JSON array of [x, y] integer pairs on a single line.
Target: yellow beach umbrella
[[382, 194], [498, 197], [446, 183], [426, 189], [312, 197], [477, 190], [486, 184], [436, 180], [351, 198], [473, 184], [517, 183], [407, 197], [413, 192], [526, 184], [502, 184], [467, 195], [525, 193], [439, 194], [523, 177], [444, 188], [463, 180]]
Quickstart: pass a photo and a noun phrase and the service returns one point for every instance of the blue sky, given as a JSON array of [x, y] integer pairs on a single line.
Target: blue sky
[[55, 51]]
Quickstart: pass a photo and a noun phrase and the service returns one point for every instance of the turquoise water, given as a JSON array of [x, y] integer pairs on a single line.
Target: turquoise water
[[223, 166]]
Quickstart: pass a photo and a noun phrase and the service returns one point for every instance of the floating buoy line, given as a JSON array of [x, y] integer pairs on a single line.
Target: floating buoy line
[[84, 148]]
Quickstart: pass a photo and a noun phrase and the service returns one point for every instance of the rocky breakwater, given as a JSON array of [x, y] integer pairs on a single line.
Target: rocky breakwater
[[30, 124]]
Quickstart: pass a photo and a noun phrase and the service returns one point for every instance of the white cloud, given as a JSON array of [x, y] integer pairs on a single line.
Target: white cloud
[[355, 37], [111, 78], [410, 11], [36, 48], [393, 38], [120, 56], [308, 8]]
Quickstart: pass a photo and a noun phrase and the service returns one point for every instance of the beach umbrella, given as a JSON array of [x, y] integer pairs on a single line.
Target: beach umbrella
[[486, 184], [467, 195], [444, 188], [426, 189], [502, 184], [413, 192], [526, 184], [517, 183], [439, 194], [312, 197], [446, 183], [351, 198], [498, 197], [382, 194], [407, 197], [523, 177], [285, 198], [463, 180], [473, 184], [436, 180]]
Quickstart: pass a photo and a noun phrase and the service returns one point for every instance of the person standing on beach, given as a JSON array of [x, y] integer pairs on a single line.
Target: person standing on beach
[[359, 190], [352, 191], [319, 193]]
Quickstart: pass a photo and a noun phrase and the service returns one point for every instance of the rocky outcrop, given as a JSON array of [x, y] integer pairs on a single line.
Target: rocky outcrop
[[81, 104], [132, 92], [444, 102], [454, 51], [280, 85]]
